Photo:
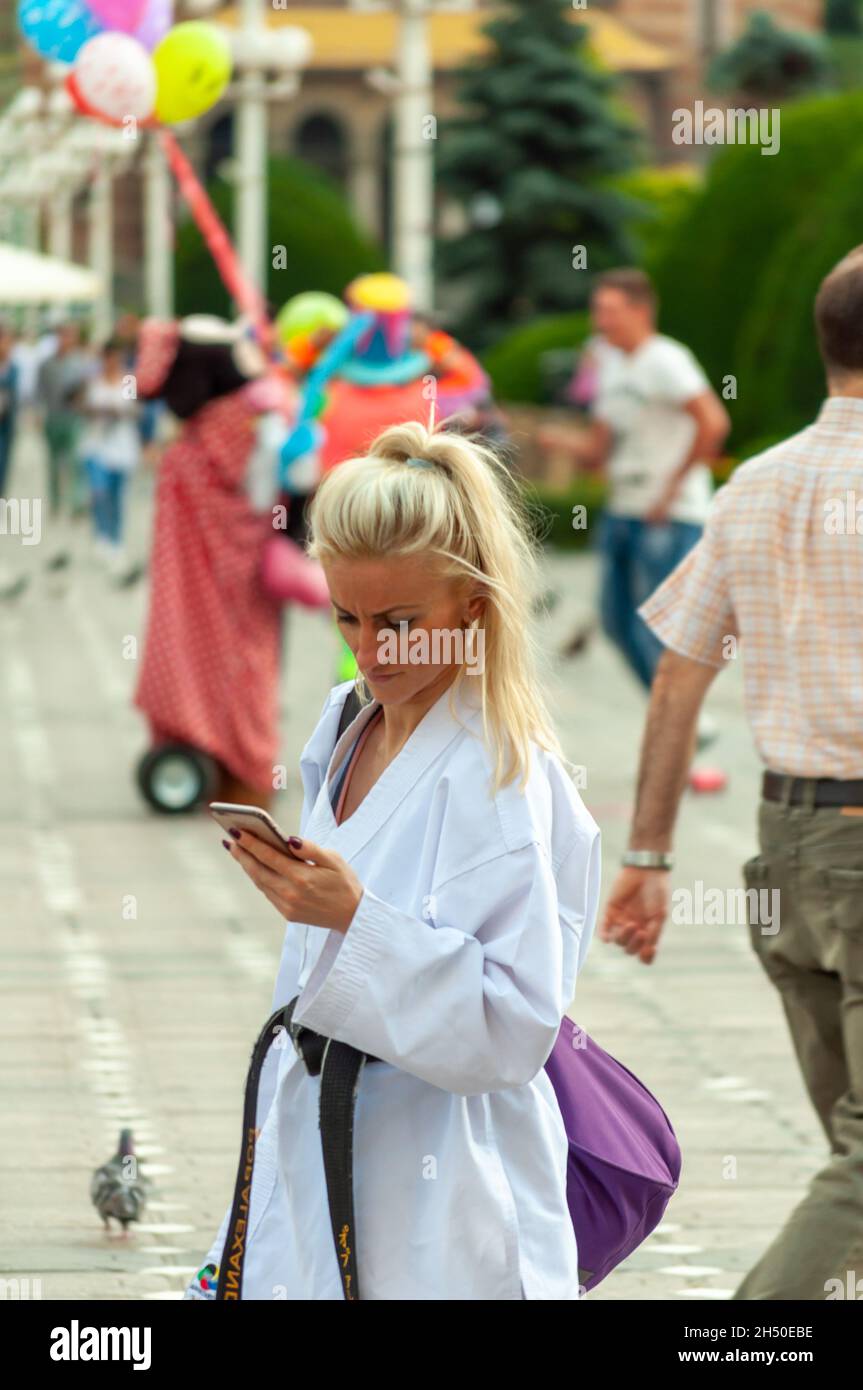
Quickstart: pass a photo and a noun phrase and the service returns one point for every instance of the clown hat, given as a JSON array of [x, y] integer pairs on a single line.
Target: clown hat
[[383, 356]]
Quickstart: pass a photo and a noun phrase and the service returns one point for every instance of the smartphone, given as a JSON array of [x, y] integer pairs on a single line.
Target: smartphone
[[251, 818]]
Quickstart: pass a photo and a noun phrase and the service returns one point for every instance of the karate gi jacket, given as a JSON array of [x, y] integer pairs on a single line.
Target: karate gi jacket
[[456, 971]]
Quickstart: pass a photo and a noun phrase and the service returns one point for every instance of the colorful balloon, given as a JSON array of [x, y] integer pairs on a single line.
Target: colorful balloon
[[193, 68], [157, 20], [119, 15], [58, 29], [115, 78], [300, 321]]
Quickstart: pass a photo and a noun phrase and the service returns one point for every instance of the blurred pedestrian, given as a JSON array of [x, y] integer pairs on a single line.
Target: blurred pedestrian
[[62, 378], [655, 424], [110, 449], [210, 668], [8, 403], [780, 568]]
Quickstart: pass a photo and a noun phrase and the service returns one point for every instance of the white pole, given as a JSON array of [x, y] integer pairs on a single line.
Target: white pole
[[101, 246], [413, 169], [250, 159], [158, 250]]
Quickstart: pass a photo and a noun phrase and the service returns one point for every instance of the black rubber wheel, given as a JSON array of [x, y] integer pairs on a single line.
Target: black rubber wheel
[[174, 778]]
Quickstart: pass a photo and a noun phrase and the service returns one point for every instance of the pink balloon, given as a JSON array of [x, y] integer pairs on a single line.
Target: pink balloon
[[124, 15], [115, 78], [158, 18]]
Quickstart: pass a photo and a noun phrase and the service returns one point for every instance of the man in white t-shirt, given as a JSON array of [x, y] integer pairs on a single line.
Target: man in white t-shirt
[[655, 424]]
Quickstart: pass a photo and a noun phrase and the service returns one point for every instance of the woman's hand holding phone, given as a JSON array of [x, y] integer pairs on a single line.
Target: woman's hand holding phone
[[324, 893]]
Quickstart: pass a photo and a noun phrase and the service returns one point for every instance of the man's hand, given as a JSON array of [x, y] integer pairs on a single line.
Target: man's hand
[[636, 911], [658, 513]]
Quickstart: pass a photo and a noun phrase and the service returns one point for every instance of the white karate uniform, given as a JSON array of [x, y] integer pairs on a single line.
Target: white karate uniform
[[455, 971]]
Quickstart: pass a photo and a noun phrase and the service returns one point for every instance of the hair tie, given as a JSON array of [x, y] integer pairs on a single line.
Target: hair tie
[[421, 463]]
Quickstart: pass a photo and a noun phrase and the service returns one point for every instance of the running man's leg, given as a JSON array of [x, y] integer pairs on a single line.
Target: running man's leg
[[617, 598], [658, 550]]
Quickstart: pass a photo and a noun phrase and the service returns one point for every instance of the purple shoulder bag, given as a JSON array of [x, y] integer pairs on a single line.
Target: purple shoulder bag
[[624, 1160]]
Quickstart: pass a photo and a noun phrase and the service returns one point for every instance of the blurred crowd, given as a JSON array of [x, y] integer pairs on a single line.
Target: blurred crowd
[[82, 399]]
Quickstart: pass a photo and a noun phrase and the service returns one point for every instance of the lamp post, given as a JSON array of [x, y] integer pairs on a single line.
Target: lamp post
[[413, 162], [411, 88], [158, 232], [257, 51]]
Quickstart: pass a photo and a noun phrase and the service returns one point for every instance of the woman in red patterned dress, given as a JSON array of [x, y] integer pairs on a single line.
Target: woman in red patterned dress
[[210, 668]]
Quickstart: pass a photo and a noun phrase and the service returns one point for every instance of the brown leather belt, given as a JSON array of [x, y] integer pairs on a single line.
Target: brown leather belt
[[828, 791]]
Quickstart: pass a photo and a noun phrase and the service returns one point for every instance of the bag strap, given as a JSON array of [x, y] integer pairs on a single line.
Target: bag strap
[[350, 710]]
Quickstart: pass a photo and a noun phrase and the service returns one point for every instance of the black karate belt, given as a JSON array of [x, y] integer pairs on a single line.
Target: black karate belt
[[339, 1066], [828, 792]]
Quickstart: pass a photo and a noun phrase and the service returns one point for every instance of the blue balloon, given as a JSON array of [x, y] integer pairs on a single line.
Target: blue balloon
[[57, 29]]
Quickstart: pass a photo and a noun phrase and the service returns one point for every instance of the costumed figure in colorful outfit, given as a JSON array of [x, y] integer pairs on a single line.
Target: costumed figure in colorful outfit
[[209, 676]]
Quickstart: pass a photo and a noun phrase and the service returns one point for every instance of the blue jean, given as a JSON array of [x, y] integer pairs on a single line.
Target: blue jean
[[636, 556], [7, 434], [107, 487]]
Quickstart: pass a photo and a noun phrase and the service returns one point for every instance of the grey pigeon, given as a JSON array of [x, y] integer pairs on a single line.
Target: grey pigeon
[[119, 1188]]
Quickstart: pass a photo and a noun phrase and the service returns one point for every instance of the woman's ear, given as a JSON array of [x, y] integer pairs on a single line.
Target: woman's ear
[[475, 608]]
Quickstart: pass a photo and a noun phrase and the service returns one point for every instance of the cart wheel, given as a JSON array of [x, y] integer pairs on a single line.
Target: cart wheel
[[175, 777]]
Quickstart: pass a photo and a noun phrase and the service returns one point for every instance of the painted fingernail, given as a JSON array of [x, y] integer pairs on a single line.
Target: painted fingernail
[[235, 833], [227, 844], [294, 842]]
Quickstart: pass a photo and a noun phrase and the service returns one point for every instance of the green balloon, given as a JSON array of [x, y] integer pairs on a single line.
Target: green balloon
[[306, 313]]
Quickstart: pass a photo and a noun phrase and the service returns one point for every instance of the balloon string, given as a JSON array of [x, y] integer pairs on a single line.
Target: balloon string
[[247, 296]]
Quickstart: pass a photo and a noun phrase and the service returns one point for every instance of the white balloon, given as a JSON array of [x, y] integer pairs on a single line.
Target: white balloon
[[115, 76]]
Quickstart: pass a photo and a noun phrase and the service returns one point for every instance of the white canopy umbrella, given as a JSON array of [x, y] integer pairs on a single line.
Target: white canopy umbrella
[[29, 278]]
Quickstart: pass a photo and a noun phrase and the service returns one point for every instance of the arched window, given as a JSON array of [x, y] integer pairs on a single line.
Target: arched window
[[321, 141], [220, 144]]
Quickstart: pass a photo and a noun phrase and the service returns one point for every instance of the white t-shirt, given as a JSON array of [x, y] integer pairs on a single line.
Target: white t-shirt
[[113, 441], [640, 395]]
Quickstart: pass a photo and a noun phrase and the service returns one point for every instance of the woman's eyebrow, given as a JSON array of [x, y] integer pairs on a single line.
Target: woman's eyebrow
[[392, 608]]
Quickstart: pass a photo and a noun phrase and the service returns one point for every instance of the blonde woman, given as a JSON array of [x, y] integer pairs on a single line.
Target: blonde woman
[[439, 906]]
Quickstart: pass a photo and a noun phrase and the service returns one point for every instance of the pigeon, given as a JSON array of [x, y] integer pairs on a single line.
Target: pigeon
[[118, 1188]]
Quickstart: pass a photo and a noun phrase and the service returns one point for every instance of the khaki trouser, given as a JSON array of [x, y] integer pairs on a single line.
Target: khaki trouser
[[814, 857]]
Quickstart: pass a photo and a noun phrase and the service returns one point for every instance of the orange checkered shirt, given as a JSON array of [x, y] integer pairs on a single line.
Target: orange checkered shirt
[[780, 567]]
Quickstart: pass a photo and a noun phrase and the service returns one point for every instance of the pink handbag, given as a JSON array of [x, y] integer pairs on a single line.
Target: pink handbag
[[288, 574]]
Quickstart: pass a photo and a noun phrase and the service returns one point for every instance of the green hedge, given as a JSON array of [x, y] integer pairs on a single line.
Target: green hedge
[[553, 514], [515, 363], [739, 271], [307, 215]]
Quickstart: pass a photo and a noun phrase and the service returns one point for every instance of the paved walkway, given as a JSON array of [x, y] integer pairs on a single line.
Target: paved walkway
[[139, 963]]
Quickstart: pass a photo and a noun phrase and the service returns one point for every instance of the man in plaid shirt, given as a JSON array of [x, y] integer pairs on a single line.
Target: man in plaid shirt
[[780, 569]]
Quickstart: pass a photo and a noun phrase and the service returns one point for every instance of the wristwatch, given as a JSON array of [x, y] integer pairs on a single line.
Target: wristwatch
[[647, 859]]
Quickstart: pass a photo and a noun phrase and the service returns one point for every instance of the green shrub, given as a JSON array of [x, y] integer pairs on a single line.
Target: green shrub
[[515, 363], [307, 215], [730, 269], [666, 194], [553, 511]]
